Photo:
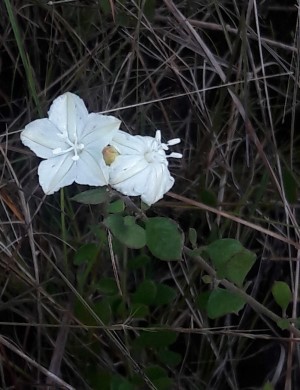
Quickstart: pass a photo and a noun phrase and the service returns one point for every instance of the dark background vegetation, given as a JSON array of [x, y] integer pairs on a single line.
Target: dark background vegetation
[[168, 65]]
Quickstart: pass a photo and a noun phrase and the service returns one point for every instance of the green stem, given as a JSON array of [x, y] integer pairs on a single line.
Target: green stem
[[258, 307], [24, 57], [63, 229]]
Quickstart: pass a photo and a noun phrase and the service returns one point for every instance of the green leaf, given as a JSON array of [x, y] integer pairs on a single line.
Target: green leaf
[[164, 238], [159, 377], [193, 237], [126, 230], [125, 20], [231, 259], [95, 196], [83, 314], [98, 379], [120, 309], [283, 324], [169, 358], [202, 299], [290, 185], [208, 197], [105, 6], [119, 383], [164, 383], [282, 294], [149, 9], [155, 372], [107, 286], [220, 251], [117, 206], [145, 293], [129, 220], [156, 339], [222, 302], [139, 310], [239, 265], [268, 386], [164, 294], [85, 254], [103, 311], [138, 262]]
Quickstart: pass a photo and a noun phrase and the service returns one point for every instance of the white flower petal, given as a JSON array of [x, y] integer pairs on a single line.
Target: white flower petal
[[126, 166], [151, 183], [99, 130], [68, 113], [159, 181], [129, 144], [56, 172], [133, 185], [41, 136], [91, 169]]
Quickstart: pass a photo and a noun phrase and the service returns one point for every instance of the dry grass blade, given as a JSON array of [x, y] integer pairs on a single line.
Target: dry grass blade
[[55, 379]]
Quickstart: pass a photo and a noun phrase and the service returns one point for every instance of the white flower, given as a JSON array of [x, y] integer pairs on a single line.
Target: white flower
[[71, 141], [141, 166]]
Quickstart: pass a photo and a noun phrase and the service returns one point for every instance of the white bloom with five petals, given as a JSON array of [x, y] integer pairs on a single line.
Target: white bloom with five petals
[[71, 140], [140, 167]]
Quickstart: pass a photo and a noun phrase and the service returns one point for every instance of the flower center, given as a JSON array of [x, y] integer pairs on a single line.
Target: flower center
[[109, 154], [152, 156], [74, 146]]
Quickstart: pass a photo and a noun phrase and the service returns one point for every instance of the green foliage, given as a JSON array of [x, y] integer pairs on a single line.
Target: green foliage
[[164, 238], [155, 339], [159, 377], [164, 294], [283, 323], [139, 310], [268, 386], [138, 262], [107, 286], [231, 259], [120, 383], [193, 237], [169, 358], [116, 207], [290, 185], [145, 293], [149, 9], [101, 309], [208, 197], [202, 299], [29, 71], [105, 6], [222, 302], [152, 293], [282, 294], [126, 230], [129, 20], [98, 379], [95, 196], [86, 253]]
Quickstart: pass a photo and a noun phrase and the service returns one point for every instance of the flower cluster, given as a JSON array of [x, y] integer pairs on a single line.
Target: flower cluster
[[90, 149]]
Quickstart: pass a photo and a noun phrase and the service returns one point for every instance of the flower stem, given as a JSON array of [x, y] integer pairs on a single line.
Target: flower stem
[[63, 229]]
